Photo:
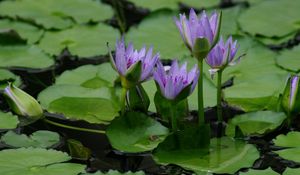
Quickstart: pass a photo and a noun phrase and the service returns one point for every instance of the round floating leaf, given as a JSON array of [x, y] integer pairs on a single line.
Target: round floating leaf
[[32, 161], [8, 121], [31, 33], [257, 80], [24, 56], [289, 59], [225, 156], [89, 76], [6, 76], [289, 140], [81, 40], [268, 171], [290, 154], [114, 172], [173, 4], [262, 17], [93, 105], [51, 14], [259, 122], [290, 171], [159, 30], [135, 132], [38, 139]]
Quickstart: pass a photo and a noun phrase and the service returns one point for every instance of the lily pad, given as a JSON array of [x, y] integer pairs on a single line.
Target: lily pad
[[31, 33], [50, 14], [32, 161], [135, 132], [24, 56], [268, 171], [257, 80], [290, 141], [255, 123], [114, 172], [173, 4], [89, 76], [165, 38], [38, 139], [290, 171], [76, 102], [225, 156], [6, 76], [260, 17], [8, 121], [81, 40], [289, 59]]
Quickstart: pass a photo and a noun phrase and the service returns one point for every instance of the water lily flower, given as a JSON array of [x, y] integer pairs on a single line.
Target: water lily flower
[[222, 55], [175, 84], [22, 103], [199, 27], [290, 99], [132, 65]]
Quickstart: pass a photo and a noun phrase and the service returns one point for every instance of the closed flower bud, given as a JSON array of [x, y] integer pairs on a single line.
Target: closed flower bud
[[291, 96], [23, 104]]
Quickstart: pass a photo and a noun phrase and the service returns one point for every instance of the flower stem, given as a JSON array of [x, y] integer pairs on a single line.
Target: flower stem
[[123, 100], [173, 117], [219, 96], [201, 119], [73, 127]]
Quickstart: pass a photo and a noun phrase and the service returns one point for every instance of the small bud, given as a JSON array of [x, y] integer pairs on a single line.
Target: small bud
[[291, 93], [23, 104]]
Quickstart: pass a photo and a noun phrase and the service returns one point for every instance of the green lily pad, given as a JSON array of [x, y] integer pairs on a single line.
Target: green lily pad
[[165, 38], [38, 139], [135, 132], [51, 14], [8, 120], [290, 141], [24, 56], [32, 161], [6, 76], [81, 40], [225, 156], [289, 59], [89, 76], [268, 171], [173, 4], [253, 123], [114, 172], [290, 171], [257, 80], [76, 102], [31, 33], [260, 18]]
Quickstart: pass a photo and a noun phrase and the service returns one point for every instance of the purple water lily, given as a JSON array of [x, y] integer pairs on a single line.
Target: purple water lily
[[222, 55], [293, 90], [174, 81], [198, 27], [127, 57]]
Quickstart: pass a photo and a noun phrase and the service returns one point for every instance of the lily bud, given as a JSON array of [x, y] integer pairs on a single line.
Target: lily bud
[[23, 104], [291, 93]]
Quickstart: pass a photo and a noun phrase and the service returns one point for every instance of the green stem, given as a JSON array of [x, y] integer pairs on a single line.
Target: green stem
[[120, 15], [201, 119], [219, 96], [123, 100], [74, 128], [173, 117]]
